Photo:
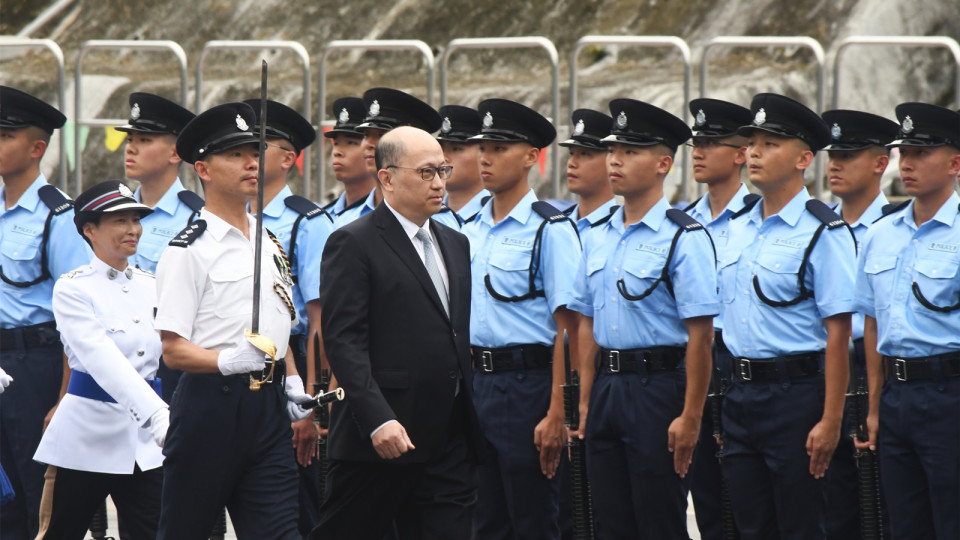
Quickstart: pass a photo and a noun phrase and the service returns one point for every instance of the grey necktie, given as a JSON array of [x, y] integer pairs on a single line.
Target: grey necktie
[[432, 269]]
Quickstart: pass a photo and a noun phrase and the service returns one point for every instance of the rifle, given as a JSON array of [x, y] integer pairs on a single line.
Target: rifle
[[98, 524], [728, 526], [582, 504], [321, 417], [868, 472]]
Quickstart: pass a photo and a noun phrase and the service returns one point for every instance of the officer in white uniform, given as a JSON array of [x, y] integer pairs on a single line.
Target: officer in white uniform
[[229, 444], [106, 435]]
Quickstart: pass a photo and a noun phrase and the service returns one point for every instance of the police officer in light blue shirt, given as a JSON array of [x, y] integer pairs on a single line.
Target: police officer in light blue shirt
[[301, 227], [38, 243], [465, 193], [786, 283], [647, 290], [908, 289], [718, 154], [587, 170], [856, 161], [386, 109], [524, 255], [150, 157], [346, 156]]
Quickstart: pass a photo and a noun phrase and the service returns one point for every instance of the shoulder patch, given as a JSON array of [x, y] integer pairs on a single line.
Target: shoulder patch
[[683, 219], [190, 233], [303, 206], [749, 201], [191, 199], [78, 272], [693, 204], [548, 212], [55, 200], [147, 273], [821, 211]]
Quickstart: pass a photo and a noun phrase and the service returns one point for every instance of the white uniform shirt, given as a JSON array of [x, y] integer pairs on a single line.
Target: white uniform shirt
[[106, 326], [205, 289]]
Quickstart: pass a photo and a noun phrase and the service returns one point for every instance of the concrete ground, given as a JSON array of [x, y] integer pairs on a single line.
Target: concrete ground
[[112, 516]]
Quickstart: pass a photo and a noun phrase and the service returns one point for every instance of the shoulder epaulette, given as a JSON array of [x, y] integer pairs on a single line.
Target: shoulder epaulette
[[683, 219], [444, 208], [190, 233], [77, 272], [54, 199], [821, 211], [191, 199], [303, 206], [894, 207], [606, 218], [548, 211], [749, 201], [328, 207], [144, 272], [693, 204], [569, 210]]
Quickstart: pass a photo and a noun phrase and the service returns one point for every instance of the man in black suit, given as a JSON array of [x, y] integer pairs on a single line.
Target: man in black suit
[[396, 309]]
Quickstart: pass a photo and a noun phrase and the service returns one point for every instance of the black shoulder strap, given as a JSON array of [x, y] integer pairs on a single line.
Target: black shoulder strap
[[569, 210], [193, 201], [190, 233], [355, 204], [824, 213], [444, 209], [894, 207], [694, 203], [303, 206], [749, 201], [548, 211], [483, 202], [606, 218], [57, 203]]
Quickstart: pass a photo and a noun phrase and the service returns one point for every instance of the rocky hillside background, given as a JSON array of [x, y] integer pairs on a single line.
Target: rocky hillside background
[[874, 79]]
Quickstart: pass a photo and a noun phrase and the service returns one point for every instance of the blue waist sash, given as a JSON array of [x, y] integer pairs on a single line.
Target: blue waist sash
[[84, 385]]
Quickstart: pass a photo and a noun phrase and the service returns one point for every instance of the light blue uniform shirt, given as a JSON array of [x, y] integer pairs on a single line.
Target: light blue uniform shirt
[[896, 253], [871, 214], [772, 249], [337, 206], [503, 251], [169, 217], [719, 228], [584, 223], [21, 232], [637, 255], [351, 214], [468, 210], [305, 256]]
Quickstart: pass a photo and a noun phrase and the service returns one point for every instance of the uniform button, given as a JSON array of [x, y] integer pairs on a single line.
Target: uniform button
[[125, 288], [915, 240], [760, 236], [226, 389], [113, 328], [454, 333], [743, 320], [643, 271], [776, 265], [140, 352], [623, 242], [614, 328], [901, 297], [481, 319], [907, 269], [615, 270], [136, 320], [490, 236]]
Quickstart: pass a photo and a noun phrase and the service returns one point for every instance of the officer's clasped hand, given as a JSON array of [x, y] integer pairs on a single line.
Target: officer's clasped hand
[[244, 358], [295, 397], [159, 422]]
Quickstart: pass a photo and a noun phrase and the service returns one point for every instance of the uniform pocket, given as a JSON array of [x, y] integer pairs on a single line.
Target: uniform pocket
[[595, 281], [230, 283], [936, 279], [509, 272], [879, 272], [639, 274], [727, 268], [777, 274]]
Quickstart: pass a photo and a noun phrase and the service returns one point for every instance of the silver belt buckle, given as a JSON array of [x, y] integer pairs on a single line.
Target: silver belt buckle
[[746, 370], [613, 362], [486, 362], [900, 369]]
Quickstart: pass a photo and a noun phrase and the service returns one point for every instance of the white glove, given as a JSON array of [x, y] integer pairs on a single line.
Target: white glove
[[243, 358], [159, 422], [295, 396], [5, 380]]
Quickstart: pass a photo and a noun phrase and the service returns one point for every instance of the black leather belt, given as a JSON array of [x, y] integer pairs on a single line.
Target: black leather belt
[[920, 369], [511, 358], [29, 336], [640, 360], [768, 369], [278, 376]]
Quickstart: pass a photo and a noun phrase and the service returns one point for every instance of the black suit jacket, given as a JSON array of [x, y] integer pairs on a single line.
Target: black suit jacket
[[389, 341]]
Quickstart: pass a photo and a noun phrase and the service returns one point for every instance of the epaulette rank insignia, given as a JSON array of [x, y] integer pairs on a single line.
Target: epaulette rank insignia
[[190, 233]]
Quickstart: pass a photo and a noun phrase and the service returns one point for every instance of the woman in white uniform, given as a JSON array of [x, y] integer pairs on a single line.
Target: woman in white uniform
[[107, 434]]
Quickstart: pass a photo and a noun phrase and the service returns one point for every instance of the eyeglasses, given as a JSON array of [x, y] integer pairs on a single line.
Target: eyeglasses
[[427, 173], [706, 144]]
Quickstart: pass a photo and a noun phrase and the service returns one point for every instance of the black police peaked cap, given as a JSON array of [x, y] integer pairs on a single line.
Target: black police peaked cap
[[150, 113], [284, 123]]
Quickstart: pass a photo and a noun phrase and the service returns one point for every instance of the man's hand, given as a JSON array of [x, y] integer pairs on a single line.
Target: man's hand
[[5, 380], [391, 441], [681, 440], [304, 440], [821, 442], [159, 424], [871, 443], [548, 437]]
